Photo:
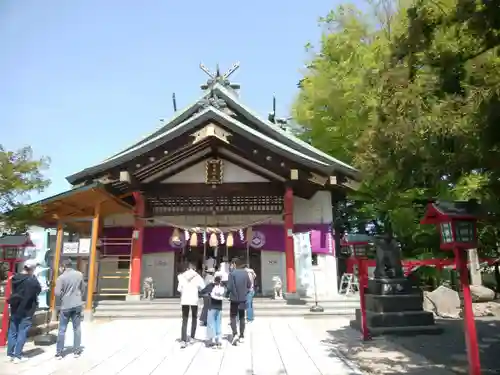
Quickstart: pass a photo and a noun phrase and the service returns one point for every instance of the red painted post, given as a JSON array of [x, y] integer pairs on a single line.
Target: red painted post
[[137, 243], [469, 323], [6, 316], [291, 281], [363, 278]]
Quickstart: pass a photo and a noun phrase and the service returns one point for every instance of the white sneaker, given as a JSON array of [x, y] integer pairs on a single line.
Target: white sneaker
[[235, 339], [241, 339], [19, 360]]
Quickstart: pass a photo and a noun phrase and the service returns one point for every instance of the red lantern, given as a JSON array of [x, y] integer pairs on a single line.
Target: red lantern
[[456, 222]]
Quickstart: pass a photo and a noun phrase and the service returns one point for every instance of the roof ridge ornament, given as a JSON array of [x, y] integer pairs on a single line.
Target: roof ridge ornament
[[222, 79]]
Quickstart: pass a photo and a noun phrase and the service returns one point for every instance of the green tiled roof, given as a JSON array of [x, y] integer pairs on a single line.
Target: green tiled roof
[[262, 131]]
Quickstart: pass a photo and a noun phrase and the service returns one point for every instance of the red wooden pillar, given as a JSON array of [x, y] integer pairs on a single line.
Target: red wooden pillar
[[291, 286], [469, 322], [6, 311], [137, 243]]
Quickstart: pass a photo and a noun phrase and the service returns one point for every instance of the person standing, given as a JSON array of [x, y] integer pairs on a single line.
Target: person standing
[[251, 293], [190, 283], [224, 270], [209, 278], [69, 292], [238, 286], [23, 304], [215, 290]]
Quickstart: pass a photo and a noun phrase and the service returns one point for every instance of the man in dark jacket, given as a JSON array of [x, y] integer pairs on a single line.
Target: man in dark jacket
[[238, 286], [23, 304]]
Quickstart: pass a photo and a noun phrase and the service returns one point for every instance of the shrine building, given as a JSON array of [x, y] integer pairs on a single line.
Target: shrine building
[[215, 181]]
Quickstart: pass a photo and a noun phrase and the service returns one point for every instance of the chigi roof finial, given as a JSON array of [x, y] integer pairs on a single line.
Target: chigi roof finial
[[218, 78]]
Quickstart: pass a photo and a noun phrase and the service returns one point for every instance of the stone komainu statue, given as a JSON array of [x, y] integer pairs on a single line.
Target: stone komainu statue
[[388, 258]]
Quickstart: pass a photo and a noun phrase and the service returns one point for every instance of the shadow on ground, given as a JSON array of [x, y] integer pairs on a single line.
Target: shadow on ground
[[449, 348], [443, 354]]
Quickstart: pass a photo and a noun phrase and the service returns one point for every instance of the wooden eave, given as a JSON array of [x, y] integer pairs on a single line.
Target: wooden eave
[[238, 150], [80, 203], [257, 160]]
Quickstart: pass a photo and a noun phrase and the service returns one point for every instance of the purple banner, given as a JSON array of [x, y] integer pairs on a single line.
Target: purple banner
[[266, 237]]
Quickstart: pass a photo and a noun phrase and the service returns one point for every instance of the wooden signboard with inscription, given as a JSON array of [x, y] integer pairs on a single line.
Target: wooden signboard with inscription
[[214, 172]]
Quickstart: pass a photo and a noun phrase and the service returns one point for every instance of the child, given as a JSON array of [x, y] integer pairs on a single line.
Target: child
[[216, 292]]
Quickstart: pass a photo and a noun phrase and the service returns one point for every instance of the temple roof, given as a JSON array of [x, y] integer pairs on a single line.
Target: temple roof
[[239, 119], [22, 240]]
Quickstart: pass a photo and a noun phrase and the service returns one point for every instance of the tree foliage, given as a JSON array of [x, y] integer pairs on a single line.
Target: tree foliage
[[20, 175], [410, 94]]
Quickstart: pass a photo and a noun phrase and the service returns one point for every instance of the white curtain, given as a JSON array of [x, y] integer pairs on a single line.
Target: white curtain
[[39, 237], [303, 263]]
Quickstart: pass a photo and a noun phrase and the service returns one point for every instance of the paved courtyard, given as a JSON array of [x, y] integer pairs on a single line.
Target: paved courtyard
[[272, 347]]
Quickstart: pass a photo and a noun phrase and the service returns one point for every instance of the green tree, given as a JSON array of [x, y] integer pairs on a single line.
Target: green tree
[[407, 92], [20, 175], [440, 105]]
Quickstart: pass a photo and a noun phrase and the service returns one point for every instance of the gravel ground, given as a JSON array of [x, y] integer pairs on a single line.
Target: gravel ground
[[448, 350]]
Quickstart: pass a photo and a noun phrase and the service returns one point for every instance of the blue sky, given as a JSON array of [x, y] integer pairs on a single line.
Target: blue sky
[[80, 80]]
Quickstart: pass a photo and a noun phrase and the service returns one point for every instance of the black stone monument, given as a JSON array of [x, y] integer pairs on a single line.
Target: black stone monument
[[394, 304]]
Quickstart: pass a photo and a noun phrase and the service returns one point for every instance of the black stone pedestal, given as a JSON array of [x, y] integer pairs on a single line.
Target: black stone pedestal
[[395, 306]]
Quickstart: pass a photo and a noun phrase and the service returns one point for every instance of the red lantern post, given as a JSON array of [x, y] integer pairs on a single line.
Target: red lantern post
[[11, 251], [6, 317], [359, 253], [457, 228]]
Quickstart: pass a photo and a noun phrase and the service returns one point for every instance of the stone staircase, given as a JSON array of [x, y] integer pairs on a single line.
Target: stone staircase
[[170, 308]]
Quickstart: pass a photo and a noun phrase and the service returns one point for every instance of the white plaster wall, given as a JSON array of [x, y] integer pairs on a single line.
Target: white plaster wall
[[326, 276], [123, 220], [232, 173], [318, 209], [272, 264], [160, 267]]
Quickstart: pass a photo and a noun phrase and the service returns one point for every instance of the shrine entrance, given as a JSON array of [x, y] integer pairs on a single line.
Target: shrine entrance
[[217, 180]]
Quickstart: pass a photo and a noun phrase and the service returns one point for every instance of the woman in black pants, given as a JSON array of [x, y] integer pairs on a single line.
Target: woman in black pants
[[190, 283]]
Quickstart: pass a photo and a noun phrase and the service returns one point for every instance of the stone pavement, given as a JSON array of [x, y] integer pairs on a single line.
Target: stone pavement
[[380, 356], [448, 349], [272, 347]]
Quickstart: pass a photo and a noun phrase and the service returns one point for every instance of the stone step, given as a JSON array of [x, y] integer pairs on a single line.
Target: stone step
[[434, 329], [171, 314], [256, 301], [153, 305]]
